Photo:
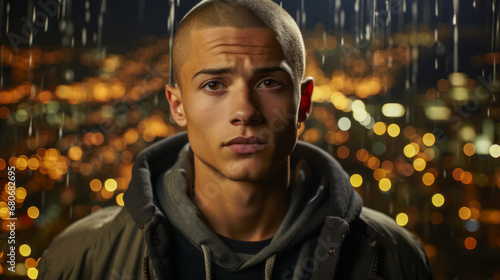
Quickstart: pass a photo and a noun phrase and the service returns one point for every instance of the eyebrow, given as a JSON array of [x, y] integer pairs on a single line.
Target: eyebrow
[[219, 71]]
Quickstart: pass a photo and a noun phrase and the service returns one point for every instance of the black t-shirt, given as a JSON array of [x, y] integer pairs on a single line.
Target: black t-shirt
[[189, 263]]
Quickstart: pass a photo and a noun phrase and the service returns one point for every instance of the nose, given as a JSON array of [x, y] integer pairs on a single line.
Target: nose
[[245, 107]]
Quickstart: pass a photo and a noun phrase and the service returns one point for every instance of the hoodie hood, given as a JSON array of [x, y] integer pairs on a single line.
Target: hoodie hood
[[163, 173]]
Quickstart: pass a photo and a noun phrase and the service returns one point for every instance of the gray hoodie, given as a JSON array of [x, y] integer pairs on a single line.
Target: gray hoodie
[[305, 216]]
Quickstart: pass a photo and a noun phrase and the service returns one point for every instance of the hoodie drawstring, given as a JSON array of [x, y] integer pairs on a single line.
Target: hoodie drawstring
[[145, 267], [208, 261], [208, 264], [270, 266]]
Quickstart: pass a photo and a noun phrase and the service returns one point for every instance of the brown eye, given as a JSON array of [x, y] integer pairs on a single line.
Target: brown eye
[[213, 85], [269, 84]]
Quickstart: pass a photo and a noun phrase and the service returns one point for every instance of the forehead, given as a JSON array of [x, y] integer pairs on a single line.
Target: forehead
[[216, 46], [254, 40]]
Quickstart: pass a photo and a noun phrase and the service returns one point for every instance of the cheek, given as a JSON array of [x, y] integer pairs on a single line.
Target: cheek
[[282, 112], [201, 113]]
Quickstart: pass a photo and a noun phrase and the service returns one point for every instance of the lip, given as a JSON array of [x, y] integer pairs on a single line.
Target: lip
[[246, 145]]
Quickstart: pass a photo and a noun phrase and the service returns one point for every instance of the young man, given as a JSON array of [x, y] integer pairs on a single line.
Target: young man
[[236, 197]]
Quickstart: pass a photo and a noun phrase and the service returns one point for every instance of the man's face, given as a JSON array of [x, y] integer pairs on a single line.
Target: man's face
[[238, 102]]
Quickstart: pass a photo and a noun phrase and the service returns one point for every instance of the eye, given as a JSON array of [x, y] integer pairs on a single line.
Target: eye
[[213, 86], [269, 83]]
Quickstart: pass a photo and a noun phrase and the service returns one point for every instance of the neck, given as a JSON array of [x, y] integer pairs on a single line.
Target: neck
[[242, 210]]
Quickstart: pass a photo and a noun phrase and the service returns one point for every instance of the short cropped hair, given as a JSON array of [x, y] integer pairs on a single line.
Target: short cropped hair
[[242, 14]]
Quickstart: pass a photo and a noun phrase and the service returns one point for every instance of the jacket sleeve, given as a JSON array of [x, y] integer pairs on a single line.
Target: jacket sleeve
[[104, 245]]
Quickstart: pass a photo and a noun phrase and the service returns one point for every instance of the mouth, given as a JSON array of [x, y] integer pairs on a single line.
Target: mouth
[[246, 145]]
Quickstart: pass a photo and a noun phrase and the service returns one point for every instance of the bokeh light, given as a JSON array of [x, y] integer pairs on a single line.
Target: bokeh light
[[356, 180], [379, 128], [429, 139], [469, 149], [33, 212], [110, 185], [25, 250], [402, 219], [384, 184], [393, 130], [95, 185], [470, 243], [438, 200]]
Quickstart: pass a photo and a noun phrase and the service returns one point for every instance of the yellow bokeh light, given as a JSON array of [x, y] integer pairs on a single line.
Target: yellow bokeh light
[[25, 250], [393, 130], [21, 163], [95, 185], [110, 185], [356, 180], [21, 193], [379, 128], [402, 219], [409, 150], [438, 200], [33, 163], [75, 153], [464, 213], [33, 212], [429, 139], [4, 212], [384, 184], [119, 199], [428, 179], [469, 149], [32, 273], [495, 150], [419, 164]]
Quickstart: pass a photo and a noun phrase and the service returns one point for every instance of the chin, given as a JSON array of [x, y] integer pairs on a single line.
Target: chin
[[243, 172]]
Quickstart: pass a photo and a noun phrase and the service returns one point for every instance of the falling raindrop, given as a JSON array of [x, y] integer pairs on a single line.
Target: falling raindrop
[[455, 36], [60, 134], [170, 29], [302, 13], [84, 36], [30, 127], [7, 10]]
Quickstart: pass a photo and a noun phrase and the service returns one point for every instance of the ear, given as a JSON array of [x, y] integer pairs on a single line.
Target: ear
[[306, 92], [174, 98]]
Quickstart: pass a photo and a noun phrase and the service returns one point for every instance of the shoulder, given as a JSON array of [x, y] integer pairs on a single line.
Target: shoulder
[[89, 242], [396, 246], [90, 229], [387, 229]]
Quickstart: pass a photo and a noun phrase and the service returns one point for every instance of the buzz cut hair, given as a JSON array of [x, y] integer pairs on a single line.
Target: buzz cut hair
[[241, 14]]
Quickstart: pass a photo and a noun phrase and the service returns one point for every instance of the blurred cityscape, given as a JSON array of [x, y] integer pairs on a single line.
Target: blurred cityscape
[[406, 98]]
